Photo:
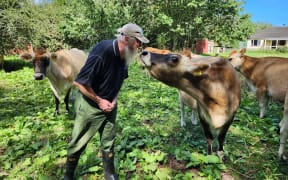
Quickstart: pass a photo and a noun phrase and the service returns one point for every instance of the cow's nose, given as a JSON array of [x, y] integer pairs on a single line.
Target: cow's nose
[[144, 53], [38, 76]]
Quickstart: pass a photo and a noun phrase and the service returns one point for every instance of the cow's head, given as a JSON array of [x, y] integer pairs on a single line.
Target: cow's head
[[40, 60], [235, 57], [172, 68]]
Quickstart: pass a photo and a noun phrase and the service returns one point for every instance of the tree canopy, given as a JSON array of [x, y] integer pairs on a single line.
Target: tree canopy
[[168, 24]]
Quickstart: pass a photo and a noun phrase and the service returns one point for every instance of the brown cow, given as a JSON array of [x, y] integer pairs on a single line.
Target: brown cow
[[159, 51], [212, 81], [268, 76], [60, 67], [184, 99]]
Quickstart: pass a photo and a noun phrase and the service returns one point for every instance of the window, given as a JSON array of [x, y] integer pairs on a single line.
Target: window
[[281, 42], [254, 42]]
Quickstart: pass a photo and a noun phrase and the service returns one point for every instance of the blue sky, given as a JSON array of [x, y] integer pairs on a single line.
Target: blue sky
[[273, 12]]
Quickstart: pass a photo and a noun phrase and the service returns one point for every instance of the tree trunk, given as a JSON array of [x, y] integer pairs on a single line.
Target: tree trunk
[[1, 61]]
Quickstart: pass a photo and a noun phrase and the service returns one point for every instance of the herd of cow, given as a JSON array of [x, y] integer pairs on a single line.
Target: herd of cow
[[209, 85]]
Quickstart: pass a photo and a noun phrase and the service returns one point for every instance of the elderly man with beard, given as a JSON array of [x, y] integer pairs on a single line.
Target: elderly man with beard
[[99, 83]]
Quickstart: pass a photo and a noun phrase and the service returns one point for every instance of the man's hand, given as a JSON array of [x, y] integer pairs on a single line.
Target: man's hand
[[105, 105]]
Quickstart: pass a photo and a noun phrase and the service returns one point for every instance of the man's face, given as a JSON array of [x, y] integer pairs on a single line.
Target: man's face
[[131, 49], [134, 43]]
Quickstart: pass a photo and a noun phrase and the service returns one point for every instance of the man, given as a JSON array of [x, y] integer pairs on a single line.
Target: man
[[99, 82]]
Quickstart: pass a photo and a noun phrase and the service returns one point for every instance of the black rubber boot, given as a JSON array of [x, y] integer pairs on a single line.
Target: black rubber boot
[[71, 165], [108, 165]]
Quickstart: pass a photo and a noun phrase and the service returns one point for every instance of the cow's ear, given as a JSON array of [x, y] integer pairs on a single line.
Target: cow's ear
[[26, 56], [232, 52], [242, 52], [199, 71], [53, 56]]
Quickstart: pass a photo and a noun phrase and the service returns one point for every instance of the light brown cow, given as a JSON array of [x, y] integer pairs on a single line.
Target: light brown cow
[[269, 77], [212, 81], [184, 99], [60, 67]]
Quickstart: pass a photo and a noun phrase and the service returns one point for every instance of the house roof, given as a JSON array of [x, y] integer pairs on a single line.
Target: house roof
[[272, 33]]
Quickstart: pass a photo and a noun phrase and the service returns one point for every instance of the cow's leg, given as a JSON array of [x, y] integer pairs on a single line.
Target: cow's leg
[[208, 135], [262, 99], [194, 117], [283, 130], [57, 102], [66, 100], [221, 139], [57, 96], [181, 104]]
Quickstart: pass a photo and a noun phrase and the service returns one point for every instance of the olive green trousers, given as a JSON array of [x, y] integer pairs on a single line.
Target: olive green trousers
[[88, 121]]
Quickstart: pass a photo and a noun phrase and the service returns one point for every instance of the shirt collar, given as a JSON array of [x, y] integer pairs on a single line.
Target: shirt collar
[[116, 48]]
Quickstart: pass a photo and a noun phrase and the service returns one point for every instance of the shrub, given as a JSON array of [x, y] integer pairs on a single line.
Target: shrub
[[282, 49]]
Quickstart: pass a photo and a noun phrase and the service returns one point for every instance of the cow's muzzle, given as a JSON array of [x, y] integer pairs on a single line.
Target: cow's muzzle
[[39, 76], [145, 58]]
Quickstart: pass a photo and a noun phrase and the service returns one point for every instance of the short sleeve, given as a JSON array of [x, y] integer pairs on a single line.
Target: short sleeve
[[90, 71]]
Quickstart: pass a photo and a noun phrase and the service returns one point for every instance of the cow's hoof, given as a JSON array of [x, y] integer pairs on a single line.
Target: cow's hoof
[[221, 156], [282, 157], [56, 113], [182, 123]]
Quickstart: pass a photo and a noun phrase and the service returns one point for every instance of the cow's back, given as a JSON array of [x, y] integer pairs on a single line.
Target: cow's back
[[76, 58], [67, 63], [271, 73]]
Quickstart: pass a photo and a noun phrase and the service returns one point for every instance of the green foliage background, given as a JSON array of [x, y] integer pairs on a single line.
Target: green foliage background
[[168, 24], [150, 142]]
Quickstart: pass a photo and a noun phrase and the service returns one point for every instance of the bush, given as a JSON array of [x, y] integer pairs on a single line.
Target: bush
[[282, 49]]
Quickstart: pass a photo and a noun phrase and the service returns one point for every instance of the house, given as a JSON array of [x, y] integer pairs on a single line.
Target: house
[[269, 38]]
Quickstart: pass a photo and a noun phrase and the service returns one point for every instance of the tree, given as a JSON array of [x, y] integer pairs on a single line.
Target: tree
[[167, 23], [15, 24], [24, 22], [261, 25]]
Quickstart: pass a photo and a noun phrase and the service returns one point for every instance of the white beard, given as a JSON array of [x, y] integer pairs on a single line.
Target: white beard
[[130, 55]]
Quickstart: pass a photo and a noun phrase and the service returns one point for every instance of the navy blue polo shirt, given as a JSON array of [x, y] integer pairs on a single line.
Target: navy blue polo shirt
[[104, 70]]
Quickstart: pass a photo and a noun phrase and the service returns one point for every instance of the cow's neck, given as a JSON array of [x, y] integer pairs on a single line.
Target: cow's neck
[[52, 72], [185, 85], [248, 66]]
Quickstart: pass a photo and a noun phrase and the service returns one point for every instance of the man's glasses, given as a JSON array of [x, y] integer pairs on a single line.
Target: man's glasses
[[137, 40]]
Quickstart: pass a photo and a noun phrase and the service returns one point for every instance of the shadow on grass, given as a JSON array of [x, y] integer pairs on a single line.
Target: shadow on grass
[[15, 65]]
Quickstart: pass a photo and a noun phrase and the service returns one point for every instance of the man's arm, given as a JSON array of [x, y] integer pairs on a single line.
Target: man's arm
[[103, 104]]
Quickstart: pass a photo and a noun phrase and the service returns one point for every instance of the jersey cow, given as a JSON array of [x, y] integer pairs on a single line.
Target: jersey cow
[[212, 81], [184, 98], [60, 67], [268, 76]]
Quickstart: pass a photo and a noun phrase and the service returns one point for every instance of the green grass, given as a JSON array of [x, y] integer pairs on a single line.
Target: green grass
[[261, 53], [150, 143]]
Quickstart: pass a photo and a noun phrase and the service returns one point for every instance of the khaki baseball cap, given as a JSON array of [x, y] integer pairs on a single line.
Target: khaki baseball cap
[[133, 30]]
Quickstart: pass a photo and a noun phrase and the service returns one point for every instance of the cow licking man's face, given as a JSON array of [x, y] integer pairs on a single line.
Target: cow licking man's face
[[164, 67]]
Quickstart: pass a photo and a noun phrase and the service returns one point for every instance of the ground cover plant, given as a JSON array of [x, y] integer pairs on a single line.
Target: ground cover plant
[[150, 142]]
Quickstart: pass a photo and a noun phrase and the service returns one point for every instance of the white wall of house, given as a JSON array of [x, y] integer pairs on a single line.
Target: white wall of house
[[266, 44]]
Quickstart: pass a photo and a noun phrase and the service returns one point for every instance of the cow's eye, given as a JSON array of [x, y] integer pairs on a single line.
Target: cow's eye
[[230, 59], [175, 59]]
